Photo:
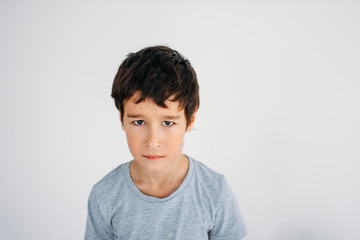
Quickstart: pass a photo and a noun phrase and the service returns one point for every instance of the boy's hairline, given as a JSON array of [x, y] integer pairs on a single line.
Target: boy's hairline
[[137, 98], [169, 117]]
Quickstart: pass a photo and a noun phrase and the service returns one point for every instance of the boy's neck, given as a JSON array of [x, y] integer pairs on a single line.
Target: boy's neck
[[175, 174]]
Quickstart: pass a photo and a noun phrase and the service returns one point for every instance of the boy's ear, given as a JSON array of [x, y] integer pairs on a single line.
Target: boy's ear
[[192, 121]]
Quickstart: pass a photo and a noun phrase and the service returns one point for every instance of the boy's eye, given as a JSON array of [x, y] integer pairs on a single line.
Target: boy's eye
[[167, 123], [139, 122]]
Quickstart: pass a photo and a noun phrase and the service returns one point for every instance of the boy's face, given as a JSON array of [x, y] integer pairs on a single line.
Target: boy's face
[[155, 135]]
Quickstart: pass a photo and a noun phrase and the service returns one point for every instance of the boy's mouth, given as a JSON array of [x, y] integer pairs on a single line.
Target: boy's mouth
[[153, 157]]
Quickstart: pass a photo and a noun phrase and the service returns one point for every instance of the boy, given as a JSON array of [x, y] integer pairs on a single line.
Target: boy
[[161, 193]]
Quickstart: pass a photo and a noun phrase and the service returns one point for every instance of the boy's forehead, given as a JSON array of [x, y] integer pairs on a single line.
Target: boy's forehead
[[132, 104], [137, 96]]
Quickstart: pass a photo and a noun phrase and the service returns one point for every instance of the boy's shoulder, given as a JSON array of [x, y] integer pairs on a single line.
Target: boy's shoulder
[[206, 172], [209, 180], [112, 181]]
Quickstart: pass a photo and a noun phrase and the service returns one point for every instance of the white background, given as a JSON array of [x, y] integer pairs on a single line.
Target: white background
[[279, 113]]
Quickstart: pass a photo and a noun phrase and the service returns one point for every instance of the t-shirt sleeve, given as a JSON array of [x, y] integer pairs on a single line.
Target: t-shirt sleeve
[[229, 223], [96, 228]]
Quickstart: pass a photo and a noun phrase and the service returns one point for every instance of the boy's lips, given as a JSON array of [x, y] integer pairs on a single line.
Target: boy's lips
[[153, 157]]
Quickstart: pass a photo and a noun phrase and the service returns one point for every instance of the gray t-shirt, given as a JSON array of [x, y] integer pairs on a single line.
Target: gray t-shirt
[[203, 207]]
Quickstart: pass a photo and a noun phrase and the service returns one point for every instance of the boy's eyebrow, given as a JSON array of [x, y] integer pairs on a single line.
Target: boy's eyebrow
[[134, 115], [170, 117]]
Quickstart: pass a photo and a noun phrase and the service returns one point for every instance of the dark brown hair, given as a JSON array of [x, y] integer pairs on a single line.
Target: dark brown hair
[[157, 73]]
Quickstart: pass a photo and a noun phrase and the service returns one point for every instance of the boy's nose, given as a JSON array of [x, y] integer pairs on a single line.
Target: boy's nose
[[153, 139]]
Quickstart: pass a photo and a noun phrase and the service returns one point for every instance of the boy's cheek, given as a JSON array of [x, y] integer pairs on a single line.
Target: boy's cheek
[[132, 137]]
